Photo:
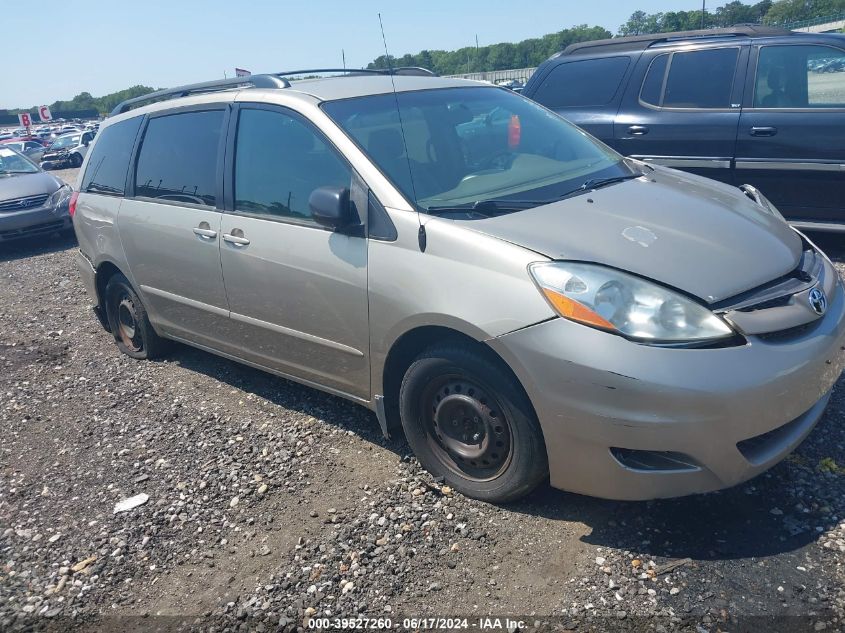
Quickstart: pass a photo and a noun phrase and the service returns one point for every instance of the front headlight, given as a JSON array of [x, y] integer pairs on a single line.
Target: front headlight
[[611, 300], [59, 196]]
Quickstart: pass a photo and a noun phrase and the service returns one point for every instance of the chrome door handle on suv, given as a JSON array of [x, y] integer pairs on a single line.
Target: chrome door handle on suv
[[204, 230], [236, 237], [637, 130], [763, 131]]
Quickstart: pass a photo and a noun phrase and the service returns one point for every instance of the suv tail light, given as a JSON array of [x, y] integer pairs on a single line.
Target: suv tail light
[[72, 206]]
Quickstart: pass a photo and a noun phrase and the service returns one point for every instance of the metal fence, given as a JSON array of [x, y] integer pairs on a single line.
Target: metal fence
[[804, 24], [493, 76]]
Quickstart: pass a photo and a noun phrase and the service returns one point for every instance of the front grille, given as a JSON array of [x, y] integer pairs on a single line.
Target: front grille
[[22, 204], [784, 336], [653, 460]]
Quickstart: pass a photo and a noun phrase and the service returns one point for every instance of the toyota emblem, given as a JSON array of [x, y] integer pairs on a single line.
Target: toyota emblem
[[818, 301]]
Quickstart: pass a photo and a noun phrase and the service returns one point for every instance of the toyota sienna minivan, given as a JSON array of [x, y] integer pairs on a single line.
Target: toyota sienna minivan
[[515, 297]]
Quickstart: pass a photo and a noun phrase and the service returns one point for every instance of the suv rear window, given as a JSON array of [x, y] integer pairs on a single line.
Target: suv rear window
[[696, 79], [591, 82], [793, 76], [178, 158], [106, 171]]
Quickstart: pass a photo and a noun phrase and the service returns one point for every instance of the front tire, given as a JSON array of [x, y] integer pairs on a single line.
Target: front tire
[[129, 322], [468, 420], [75, 160]]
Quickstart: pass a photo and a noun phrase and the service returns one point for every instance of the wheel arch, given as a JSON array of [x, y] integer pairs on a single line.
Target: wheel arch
[[403, 352]]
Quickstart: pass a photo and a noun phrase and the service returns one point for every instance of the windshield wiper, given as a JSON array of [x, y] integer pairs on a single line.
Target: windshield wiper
[[595, 183], [486, 207]]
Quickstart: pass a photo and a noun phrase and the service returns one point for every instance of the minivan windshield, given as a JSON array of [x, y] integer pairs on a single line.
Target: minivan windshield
[[477, 148]]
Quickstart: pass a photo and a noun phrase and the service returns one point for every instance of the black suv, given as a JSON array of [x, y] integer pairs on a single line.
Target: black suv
[[748, 104]]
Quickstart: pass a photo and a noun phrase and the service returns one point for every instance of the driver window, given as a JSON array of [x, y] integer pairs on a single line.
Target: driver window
[[279, 161]]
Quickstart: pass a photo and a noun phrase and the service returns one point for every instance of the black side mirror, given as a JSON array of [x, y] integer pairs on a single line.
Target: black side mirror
[[331, 208]]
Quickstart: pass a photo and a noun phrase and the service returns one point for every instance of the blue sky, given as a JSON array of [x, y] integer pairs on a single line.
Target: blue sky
[[100, 47]]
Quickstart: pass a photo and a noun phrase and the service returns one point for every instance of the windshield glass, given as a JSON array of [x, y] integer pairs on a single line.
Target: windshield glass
[[463, 146], [65, 141], [13, 163]]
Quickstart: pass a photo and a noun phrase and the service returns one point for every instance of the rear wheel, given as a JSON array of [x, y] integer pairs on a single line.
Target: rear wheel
[[129, 322], [468, 421]]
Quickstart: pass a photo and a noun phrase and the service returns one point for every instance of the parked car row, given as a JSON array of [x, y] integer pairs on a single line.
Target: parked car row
[[66, 150]]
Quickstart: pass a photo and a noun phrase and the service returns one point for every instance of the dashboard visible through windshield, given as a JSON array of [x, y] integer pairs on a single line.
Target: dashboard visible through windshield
[[477, 148]]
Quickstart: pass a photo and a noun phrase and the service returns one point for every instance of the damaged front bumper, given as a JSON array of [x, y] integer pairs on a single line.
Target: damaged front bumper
[[623, 420]]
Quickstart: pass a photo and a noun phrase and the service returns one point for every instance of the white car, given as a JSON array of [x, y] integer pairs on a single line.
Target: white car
[[68, 150]]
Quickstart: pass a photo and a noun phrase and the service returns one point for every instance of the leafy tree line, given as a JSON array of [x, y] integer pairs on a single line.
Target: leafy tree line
[[84, 101], [502, 56], [777, 12]]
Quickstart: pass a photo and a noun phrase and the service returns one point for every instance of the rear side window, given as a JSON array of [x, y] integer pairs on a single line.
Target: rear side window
[[279, 162], [696, 79], [591, 82], [800, 77], [106, 171], [178, 158]]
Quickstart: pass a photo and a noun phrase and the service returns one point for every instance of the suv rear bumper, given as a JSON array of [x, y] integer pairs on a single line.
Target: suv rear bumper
[[629, 421]]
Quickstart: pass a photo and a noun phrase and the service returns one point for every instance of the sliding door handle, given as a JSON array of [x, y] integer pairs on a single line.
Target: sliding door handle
[[236, 237]]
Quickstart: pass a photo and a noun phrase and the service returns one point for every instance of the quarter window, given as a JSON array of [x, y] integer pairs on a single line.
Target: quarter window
[[696, 79], [591, 82], [178, 158], [279, 162], [800, 77], [109, 162]]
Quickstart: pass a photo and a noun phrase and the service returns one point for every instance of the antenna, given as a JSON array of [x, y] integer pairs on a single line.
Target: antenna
[[422, 237]]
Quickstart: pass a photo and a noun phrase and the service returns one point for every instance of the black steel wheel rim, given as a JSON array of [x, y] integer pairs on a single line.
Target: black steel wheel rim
[[466, 427], [127, 324]]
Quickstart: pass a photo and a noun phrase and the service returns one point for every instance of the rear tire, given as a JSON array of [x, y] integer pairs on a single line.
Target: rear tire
[[129, 322], [469, 421]]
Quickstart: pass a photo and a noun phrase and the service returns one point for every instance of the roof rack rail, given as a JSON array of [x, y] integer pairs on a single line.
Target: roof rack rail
[[637, 42], [253, 81], [401, 70], [267, 80]]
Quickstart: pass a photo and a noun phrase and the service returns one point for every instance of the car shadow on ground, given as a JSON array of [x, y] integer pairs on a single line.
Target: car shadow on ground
[[732, 524], [34, 246]]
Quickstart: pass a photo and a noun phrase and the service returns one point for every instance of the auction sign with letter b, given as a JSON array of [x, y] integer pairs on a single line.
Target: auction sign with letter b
[[25, 119]]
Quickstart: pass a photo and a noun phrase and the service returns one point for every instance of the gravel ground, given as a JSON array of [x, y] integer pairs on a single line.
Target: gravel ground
[[267, 502]]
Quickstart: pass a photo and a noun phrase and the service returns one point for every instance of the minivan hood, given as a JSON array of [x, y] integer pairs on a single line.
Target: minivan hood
[[23, 185], [694, 234]]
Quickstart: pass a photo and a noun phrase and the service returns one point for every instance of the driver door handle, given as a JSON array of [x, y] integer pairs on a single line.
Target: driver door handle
[[637, 130], [209, 233]]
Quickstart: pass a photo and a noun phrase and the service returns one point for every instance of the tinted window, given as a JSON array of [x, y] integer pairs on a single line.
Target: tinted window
[[652, 88], [800, 77], [178, 158], [106, 171], [591, 82], [701, 79], [279, 161]]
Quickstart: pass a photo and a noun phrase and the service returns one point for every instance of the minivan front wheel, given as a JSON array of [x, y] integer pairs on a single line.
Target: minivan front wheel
[[468, 421], [129, 322]]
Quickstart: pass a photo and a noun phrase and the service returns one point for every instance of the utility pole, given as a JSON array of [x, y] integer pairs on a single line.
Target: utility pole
[[343, 55], [703, 11]]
